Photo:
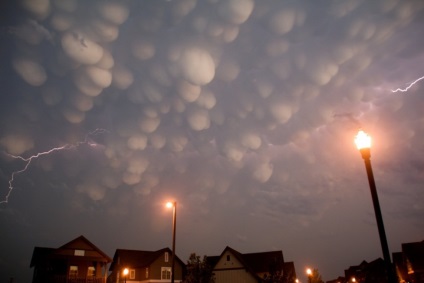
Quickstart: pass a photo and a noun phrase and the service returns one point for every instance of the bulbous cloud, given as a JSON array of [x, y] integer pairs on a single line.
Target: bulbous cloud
[[81, 49], [122, 77], [100, 77], [283, 21], [40, 9], [114, 12], [137, 142], [262, 172], [236, 11], [94, 191], [143, 49], [251, 140], [189, 92], [198, 119], [30, 71], [16, 144], [196, 65]]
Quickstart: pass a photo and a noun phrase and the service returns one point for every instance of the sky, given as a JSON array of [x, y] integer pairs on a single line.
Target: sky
[[244, 112]]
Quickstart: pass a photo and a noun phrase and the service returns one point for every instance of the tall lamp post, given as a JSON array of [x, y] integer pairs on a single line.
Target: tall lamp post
[[174, 227], [363, 143]]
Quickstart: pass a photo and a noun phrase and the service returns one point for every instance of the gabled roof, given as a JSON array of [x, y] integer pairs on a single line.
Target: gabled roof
[[136, 258], [41, 254], [253, 262], [260, 262], [289, 269], [75, 243]]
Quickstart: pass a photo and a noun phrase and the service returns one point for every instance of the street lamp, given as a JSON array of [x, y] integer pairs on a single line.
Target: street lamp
[[363, 143], [125, 273], [174, 227], [309, 273]]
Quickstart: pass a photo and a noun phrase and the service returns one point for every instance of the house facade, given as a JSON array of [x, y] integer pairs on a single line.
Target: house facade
[[367, 272], [144, 266], [233, 267], [409, 263], [78, 261]]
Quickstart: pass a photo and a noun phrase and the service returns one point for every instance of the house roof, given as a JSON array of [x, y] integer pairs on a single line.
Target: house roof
[[253, 262], [83, 239], [41, 254], [136, 258], [289, 269]]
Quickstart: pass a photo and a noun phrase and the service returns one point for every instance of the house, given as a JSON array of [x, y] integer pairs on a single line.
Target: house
[[367, 272], [233, 266], [409, 263], [144, 266], [78, 261]]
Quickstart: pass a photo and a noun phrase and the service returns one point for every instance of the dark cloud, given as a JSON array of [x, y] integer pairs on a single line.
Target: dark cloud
[[243, 111]]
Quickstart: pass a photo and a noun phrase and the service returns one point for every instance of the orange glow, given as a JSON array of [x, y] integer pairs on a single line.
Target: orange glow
[[362, 140], [125, 272], [169, 204], [309, 271]]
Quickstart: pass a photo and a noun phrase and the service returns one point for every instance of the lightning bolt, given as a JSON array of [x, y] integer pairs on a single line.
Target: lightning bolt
[[409, 86], [28, 160]]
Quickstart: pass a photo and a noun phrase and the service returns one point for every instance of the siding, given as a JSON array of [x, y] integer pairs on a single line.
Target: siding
[[234, 276]]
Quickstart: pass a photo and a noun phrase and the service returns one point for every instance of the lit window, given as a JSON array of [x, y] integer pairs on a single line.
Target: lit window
[[147, 272], [73, 271], [132, 273], [165, 273], [79, 252], [91, 272], [166, 256]]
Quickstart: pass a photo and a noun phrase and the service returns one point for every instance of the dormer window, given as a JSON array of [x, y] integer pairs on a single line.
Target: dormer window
[[79, 252], [166, 256]]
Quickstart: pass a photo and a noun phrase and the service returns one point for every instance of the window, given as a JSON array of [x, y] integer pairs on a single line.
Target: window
[[147, 272], [132, 273], [73, 271], [79, 252], [165, 273], [91, 272], [228, 258], [166, 256]]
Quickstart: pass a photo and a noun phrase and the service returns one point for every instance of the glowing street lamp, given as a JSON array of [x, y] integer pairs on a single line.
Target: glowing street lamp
[[125, 273], [174, 226], [363, 143]]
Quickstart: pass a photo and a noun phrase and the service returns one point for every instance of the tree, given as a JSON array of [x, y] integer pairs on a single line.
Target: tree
[[198, 270], [315, 277], [278, 274]]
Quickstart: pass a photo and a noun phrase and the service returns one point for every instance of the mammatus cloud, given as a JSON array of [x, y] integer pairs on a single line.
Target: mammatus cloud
[[235, 107]]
